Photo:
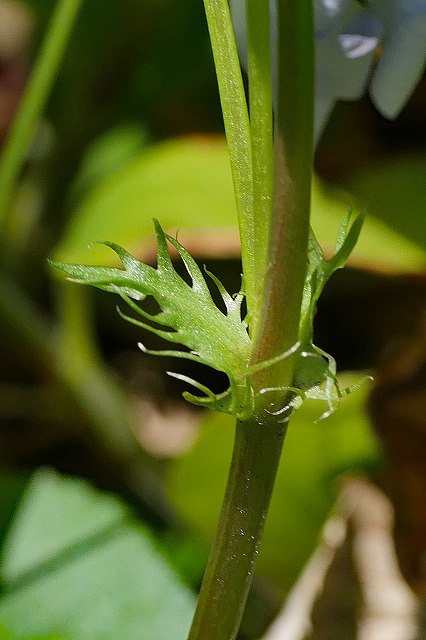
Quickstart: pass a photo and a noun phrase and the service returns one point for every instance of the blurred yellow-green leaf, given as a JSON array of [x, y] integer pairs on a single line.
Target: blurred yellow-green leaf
[[186, 184], [394, 191]]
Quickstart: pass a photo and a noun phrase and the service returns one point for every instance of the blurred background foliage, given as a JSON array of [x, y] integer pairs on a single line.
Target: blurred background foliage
[[133, 130]]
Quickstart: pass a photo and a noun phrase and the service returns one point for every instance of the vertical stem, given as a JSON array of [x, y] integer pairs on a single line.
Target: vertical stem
[[260, 101], [230, 567], [258, 442], [293, 153], [32, 104], [237, 129]]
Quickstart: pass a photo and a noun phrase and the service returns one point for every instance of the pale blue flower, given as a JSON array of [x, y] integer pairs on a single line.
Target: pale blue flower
[[350, 36]]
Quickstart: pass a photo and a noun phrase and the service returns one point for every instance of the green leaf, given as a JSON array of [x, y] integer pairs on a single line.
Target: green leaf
[[320, 270], [216, 339], [47, 498], [77, 563], [347, 237], [188, 311], [313, 459], [315, 371]]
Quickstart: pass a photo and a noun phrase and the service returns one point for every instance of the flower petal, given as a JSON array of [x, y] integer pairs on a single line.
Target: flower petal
[[329, 15], [400, 67]]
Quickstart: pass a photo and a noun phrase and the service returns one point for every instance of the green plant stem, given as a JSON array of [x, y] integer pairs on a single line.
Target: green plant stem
[[260, 100], [229, 572], [259, 441], [293, 151], [33, 103], [237, 129]]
